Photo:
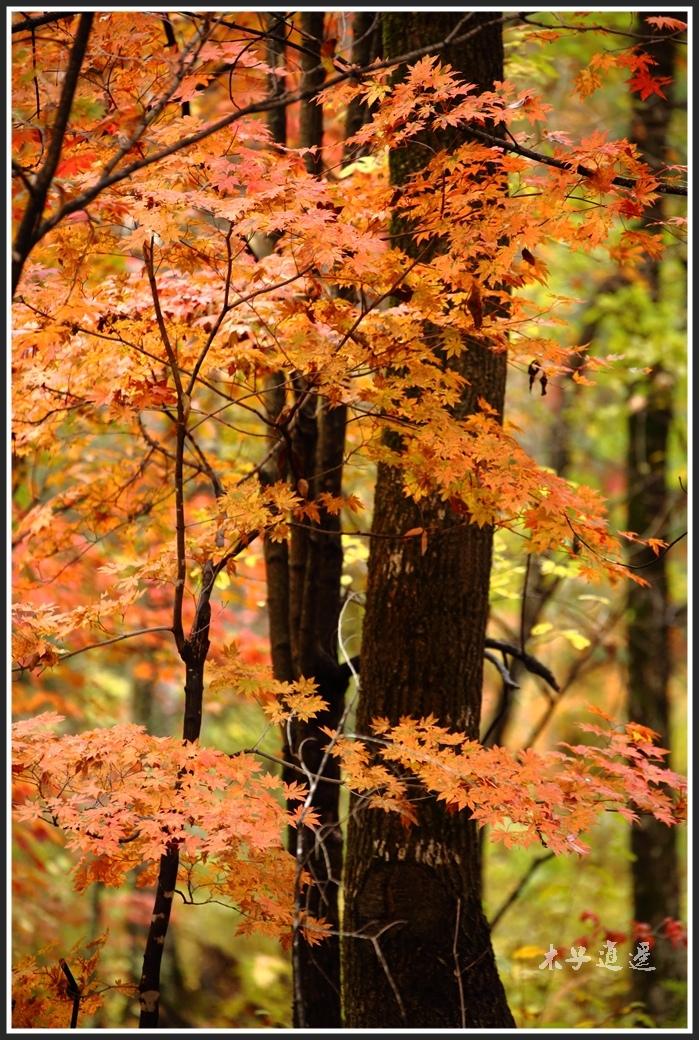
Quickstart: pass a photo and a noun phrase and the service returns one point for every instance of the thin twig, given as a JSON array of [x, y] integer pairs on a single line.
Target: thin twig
[[505, 674], [225, 307], [382, 961], [178, 600], [620, 563], [569, 167], [105, 642], [457, 967], [533, 867]]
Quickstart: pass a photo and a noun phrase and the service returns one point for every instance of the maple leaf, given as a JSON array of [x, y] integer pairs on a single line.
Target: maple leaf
[[661, 22], [97, 343], [587, 82], [646, 85], [77, 162]]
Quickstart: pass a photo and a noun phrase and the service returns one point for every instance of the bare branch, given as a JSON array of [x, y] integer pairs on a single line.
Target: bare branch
[[514, 895], [42, 19], [532, 664], [105, 642], [504, 672]]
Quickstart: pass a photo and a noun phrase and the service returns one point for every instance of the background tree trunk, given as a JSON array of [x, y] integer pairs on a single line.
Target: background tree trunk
[[366, 46], [303, 593], [655, 870], [417, 949], [313, 74]]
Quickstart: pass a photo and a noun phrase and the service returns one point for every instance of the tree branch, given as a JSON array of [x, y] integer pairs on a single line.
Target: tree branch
[[514, 895], [266, 105], [270, 103], [172, 43], [27, 233], [177, 627], [530, 663], [42, 19], [607, 30], [560, 164], [105, 642], [225, 307]]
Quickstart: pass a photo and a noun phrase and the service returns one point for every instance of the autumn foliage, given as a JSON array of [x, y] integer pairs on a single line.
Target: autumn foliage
[[147, 326]]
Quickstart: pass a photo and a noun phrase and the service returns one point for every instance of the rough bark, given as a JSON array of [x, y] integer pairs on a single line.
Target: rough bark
[[417, 950], [655, 869]]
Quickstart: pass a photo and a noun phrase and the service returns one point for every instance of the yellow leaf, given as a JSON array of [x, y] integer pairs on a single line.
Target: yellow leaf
[[365, 164], [526, 953], [575, 638], [541, 628]]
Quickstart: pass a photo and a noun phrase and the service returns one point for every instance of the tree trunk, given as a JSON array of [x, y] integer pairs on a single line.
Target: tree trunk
[[313, 74], [655, 870], [417, 949], [193, 652], [303, 595], [276, 117], [366, 46]]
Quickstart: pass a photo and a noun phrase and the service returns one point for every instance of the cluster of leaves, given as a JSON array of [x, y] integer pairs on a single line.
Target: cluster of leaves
[[124, 798], [43, 990], [524, 796], [104, 340], [280, 701], [143, 306]]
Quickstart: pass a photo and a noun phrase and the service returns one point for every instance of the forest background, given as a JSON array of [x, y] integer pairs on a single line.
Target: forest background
[[95, 443]]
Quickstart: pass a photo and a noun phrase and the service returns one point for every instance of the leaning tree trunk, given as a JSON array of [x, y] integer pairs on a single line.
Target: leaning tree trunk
[[417, 948], [655, 870]]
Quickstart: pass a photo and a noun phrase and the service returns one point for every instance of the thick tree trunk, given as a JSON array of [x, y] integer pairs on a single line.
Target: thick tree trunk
[[655, 869], [417, 949]]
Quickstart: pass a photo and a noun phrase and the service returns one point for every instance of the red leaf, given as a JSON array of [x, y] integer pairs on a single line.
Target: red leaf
[[661, 22], [645, 84]]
